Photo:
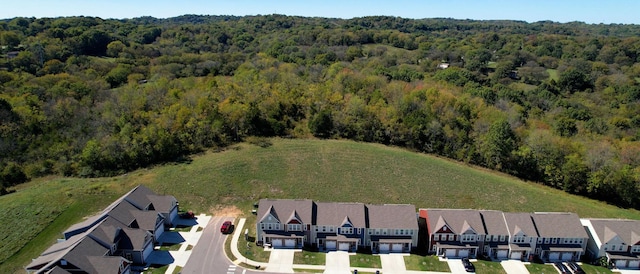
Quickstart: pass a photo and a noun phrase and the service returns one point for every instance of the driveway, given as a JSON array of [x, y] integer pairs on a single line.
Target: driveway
[[393, 263], [337, 262], [514, 267], [281, 261], [456, 266]]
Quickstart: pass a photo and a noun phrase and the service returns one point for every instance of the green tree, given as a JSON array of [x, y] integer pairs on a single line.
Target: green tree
[[321, 125], [496, 147]]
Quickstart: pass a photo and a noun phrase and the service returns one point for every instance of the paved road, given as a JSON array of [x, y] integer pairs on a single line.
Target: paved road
[[208, 255]]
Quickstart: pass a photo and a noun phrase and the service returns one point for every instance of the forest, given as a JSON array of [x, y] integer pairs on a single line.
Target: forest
[[553, 103]]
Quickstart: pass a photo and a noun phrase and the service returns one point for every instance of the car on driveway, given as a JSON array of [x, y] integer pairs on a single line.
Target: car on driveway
[[226, 227], [468, 266]]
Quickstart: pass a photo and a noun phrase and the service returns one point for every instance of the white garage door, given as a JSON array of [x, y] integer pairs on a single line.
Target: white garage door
[[502, 254], [384, 248], [463, 253], [554, 256], [397, 247], [516, 255], [634, 264], [276, 242], [567, 256], [343, 246], [331, 245], [450, 253], [621, 263], [290, 243]]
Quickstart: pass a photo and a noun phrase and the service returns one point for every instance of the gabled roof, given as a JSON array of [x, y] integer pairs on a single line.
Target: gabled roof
[[607, 229], [520, 222], [467, 229], [294, 216], [558, 225], [333, 214], [270, 212], [392, 216], [131, 216], [346, 222], [284, 207], [459, 220], [112, 231]]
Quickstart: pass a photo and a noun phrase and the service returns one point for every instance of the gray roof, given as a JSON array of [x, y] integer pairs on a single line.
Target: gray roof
[[335, 214], [627, 230], [111, 231], [131, 216], [520, 222], [58, 270], [285, 209], [392, 216], [459, 220], [143, 197], [558, 225], [494, 222]]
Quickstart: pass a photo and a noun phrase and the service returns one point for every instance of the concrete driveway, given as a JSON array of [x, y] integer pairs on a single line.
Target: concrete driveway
[[393, 263], [514, 267], [337, 262], [456, 266], [281, 261]]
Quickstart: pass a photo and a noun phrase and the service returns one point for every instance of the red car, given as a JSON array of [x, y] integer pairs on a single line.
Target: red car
[[226, 227]]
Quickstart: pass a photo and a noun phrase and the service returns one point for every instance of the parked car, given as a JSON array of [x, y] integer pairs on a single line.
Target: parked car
[[563, 269], [226, 227], [575, 268], [468, 266]]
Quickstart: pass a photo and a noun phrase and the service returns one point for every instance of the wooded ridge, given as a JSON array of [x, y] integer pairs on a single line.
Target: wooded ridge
[[548, 102]]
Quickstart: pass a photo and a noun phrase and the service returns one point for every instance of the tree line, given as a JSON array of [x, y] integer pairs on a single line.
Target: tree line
[[547, 102]]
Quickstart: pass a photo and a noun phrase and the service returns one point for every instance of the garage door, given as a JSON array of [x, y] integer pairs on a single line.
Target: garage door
[[276, 242], [384, 248], [290, 243], [463, 253], [331, 245], [450, 253], [502, 254], [516, 255], [343, 246], [567, 256], [634, 264], [397, 247], [554, 256], [621, 263]]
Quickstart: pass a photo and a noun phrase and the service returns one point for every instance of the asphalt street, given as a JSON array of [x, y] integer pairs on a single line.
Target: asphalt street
[[208, 255]]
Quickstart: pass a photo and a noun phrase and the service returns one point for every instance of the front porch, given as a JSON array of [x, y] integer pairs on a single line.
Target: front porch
[[456, 250]]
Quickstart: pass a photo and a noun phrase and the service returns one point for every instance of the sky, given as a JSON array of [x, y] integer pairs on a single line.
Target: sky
[[588, 11]]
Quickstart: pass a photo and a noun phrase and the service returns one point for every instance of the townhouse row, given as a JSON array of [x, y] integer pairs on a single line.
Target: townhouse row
[[550, 236], [117, 240]]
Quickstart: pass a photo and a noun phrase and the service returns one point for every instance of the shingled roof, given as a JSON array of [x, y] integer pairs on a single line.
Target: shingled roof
[[520, 222], [392, 216], [558, 225], [627, 230], [285, 208], [334, 214], [455, 219]]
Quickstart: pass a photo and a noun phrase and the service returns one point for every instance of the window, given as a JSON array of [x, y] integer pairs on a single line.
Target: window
[[488, 237], [539, 240], [502, 238], [613, 247], [451, 237], [621, 247], [546, 240], [324, 229], [346, 230], [436, 237], [555, 240], [294, 227]]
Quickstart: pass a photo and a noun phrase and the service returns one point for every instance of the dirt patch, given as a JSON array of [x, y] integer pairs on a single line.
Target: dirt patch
[[226, 211]]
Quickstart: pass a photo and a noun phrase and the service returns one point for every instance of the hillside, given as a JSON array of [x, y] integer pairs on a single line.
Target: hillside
[[328, 170]]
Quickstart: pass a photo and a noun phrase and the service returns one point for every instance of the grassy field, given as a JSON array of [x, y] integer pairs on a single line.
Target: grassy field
[[312, 258], [365, 260], [541, 268], [232, 180], [425, 263], [487, 267]]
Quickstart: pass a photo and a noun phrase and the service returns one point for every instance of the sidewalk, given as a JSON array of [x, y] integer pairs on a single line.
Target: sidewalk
[[191, 238]]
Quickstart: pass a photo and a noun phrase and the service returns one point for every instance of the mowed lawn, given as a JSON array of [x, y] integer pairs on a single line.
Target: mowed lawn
[[323, 170]]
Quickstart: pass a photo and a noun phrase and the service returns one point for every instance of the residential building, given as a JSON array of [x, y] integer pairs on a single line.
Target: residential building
[[469, 233], [113, 241], [392, 228], [336, 226], [523, 235], [615, 239], [561, 236], [454, 232]]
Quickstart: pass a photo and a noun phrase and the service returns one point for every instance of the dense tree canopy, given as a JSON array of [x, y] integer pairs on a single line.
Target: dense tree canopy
[[554, 103]]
